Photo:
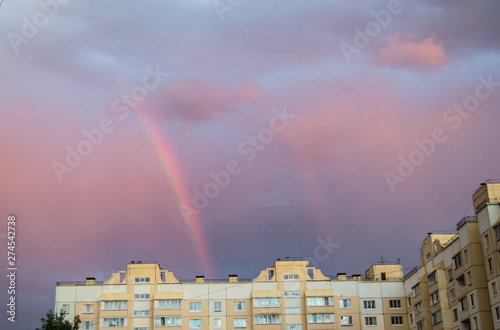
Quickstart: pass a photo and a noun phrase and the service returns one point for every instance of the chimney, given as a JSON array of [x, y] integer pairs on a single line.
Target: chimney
[[356, 277], [200, 279], [233, 278], [90, 281]]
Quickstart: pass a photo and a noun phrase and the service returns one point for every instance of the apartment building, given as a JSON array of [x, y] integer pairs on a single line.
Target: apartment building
[[290, 295], [454, 287], [456, 283]]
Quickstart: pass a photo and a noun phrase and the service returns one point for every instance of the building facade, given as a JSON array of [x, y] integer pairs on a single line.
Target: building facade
[[454, 287]]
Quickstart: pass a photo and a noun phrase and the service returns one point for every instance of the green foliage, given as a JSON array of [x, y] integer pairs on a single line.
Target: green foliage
[[57, 322]]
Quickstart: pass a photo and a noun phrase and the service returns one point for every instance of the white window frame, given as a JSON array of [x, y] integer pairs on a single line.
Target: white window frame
[[395, 303], [194, 323], [240, 320], [397, 320], [240, 306], [142, 280], [168, 321], [369, 304], [346, 320], [87, 325], [195, 306], [370, 320], [345, 303]]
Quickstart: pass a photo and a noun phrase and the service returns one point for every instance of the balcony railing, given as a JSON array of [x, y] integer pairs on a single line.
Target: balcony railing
[[465, 219]]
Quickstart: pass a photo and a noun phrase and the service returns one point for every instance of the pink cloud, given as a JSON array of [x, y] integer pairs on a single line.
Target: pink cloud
[[411, 54], [198, 100]]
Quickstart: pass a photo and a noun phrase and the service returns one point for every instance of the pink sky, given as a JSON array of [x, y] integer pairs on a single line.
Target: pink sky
[[219, 85]]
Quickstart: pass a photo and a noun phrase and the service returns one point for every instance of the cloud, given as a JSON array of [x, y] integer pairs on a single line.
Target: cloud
[[410, 54], [198, 100]]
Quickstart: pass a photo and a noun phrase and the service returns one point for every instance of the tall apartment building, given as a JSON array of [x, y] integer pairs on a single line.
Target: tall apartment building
[[454, 287], [290, 295]]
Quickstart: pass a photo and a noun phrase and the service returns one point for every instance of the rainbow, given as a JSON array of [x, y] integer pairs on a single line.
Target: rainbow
[[175, 179]]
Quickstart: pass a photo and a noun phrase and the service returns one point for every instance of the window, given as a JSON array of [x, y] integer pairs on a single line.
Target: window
[[217, 323], [371, 320], [345, 303], [239, 306], [292, 310], [142, 313], [497, 232], [450, 275], [469, 278], [486, 241], [195, 306], [87, 325], [452, 295], [141, 328], [490, 265], [466, 255], [494, 288], [463, 304], [142, 280], [455, 315], [267, 319], [409, 301], [114, 305], [267, 302], [217, 306], [395, 320], [113, 322], [319, 301], [416, 290], [420, 325], [436, 317], [395, 303], [292, 293], [290, 277], [418, 308], [474, 322], [428, 256], [457, 261], [195, 324], [434, 298], [460, 281], [431, 278], [410, 318], [472, 302], [88, 309], [369, 304], [169, 304], [142, 296], [65, 308], [320, 318], [168, 321], [497, 313], [240, 323], [346, 320], [294, 326]]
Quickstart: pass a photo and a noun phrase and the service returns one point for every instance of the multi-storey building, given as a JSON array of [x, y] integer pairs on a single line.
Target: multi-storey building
[[454, 287], [290, 295]]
